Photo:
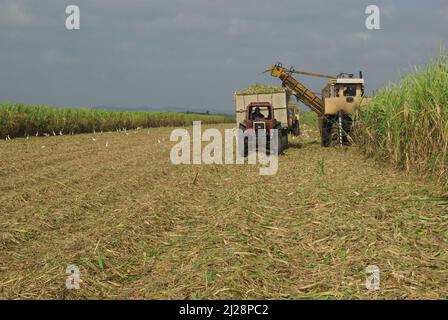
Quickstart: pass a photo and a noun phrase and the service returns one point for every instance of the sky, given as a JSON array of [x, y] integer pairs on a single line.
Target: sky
[[181, 55]]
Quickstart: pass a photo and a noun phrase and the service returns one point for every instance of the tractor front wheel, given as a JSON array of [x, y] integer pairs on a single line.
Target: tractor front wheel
[[282, 141]]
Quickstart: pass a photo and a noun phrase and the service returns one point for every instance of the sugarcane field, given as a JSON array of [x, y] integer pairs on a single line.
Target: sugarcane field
[[203, 152]]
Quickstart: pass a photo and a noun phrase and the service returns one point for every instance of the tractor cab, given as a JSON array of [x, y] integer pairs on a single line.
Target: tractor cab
[[260, 118], [260, 115]]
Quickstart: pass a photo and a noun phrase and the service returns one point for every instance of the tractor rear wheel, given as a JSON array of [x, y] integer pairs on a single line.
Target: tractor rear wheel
[[245, 150], [279, 143], [347, 126], [326, 125]]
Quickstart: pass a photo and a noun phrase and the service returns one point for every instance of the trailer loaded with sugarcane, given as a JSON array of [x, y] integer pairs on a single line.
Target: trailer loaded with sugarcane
[[263, 108], [336, 106]]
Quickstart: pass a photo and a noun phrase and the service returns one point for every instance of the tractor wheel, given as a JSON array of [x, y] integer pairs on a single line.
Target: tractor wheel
[[284, 140], [245, 150], [280, 143]]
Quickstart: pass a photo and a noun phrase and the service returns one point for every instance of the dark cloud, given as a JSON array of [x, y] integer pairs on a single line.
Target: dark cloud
[[193, 54]]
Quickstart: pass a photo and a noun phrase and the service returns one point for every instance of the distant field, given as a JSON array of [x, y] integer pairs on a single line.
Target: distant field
[[18, 120]]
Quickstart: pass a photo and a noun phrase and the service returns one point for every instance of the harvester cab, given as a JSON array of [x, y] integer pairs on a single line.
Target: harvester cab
[[341, 97], [342, 94]]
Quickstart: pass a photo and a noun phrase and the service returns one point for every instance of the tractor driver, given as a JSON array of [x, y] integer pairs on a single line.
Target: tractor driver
[[257, 115]]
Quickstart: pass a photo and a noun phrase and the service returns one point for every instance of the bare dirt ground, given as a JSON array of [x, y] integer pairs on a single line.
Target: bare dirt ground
[[140, 227]]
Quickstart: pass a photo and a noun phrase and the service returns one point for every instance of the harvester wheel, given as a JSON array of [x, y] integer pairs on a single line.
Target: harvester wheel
[[326, 125], [347, 126], [331, 130], [280, 143]]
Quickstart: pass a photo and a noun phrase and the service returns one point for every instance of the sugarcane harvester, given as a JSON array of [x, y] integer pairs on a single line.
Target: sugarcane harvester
[[339, 100]]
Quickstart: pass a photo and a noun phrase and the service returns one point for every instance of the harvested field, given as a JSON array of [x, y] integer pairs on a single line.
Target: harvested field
[[139, 227]]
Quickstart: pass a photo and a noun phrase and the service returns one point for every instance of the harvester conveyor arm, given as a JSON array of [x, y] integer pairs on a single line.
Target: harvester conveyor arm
[[302, 93]]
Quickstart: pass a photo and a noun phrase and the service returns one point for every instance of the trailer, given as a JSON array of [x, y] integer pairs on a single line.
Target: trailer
[[261, 107]]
